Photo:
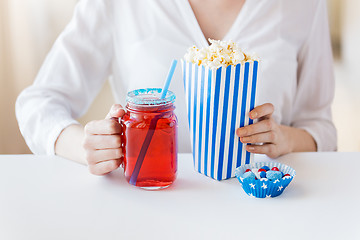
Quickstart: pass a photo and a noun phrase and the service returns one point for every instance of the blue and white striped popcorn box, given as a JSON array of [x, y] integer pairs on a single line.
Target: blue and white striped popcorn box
[[218, 102]]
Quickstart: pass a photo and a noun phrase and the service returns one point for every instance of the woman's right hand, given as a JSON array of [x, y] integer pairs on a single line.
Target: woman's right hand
[[102, 142]]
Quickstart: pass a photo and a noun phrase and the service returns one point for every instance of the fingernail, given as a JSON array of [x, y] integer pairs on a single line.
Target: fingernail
[[240, 132], [114, 109], [253, 115], [251, 148]]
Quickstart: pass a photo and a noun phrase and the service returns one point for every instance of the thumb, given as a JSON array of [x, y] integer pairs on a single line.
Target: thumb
[[116, 111]]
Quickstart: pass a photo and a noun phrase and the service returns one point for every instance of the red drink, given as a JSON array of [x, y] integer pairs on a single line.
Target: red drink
[[149, 139]]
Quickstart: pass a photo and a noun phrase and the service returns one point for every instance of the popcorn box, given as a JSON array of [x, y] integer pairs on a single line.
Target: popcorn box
[[218, 102]]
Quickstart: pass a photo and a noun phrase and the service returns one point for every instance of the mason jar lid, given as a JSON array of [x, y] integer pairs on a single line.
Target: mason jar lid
[[149, 96]]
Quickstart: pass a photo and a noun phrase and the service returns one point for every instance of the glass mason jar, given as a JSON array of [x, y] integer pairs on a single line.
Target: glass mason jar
[[149, 139]]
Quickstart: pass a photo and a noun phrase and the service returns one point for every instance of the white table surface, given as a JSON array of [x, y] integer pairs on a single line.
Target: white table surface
[[52, 198]]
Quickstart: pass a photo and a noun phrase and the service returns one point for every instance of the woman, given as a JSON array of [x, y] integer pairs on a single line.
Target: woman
[[133, 42]]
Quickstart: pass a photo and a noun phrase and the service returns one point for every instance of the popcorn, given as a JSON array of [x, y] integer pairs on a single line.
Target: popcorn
[[218, 54]]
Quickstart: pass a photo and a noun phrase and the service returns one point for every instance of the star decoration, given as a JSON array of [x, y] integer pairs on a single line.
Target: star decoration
[[251, 195], [241, 179], [277, 180], [252, 185], [264, 186], [268, 195], [280, 187]]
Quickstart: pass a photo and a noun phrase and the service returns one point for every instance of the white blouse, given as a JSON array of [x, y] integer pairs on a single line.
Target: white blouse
[[134, 41]]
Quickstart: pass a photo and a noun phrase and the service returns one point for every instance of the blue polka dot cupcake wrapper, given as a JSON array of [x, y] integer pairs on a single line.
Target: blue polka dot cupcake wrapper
[[262, 188]]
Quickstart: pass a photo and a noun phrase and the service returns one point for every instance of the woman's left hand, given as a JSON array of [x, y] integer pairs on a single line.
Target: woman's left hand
[[274, 138]]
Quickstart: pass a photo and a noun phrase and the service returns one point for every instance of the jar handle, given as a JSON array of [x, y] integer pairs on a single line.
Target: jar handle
[[121, 136]]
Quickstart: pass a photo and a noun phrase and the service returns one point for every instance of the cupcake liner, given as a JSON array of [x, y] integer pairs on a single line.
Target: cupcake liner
[[218, 102], [262, 188]]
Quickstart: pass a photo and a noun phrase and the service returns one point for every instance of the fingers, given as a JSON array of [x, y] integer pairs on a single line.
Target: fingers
[[265, 110], [101, 162], [107, 126], [105, 167], [98, 142], [266, 137], [116, 111], [268, 149], [96, 156], [259, 127], [102, 144]]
